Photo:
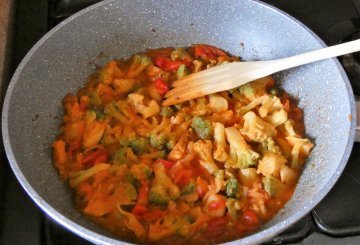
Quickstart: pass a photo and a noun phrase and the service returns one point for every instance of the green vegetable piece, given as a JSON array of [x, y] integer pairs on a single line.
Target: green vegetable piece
[[158, 141], [166, 111], [159, 195], [273, 91], [269, 145], [188, 189], [232, 187], [202, 127], [138, 64], [141, 171], [120, 156], [273, 186], [138, 144], [129, 190], [99, 114], [163, 189], [182, 72], [253, 89]]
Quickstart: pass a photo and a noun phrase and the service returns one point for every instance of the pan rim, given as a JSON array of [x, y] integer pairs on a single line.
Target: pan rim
[[97, 238]]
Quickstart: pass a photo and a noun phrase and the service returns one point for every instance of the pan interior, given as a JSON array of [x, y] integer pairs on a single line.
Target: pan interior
[[62, 60]]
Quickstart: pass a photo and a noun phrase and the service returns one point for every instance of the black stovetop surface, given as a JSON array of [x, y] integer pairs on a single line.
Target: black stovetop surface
[[335, 220]]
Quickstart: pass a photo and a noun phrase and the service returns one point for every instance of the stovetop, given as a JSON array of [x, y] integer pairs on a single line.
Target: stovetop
[[335, 220]]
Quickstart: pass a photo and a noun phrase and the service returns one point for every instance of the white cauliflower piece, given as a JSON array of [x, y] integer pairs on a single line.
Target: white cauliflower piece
[[277, 117], [137, 101], [269, 104], [204, 149], [256, 129], [270, 164], [219, 137]]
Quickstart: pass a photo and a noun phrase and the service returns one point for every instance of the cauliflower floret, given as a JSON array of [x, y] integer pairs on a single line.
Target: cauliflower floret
[[256, 88], [268, 105], [254, 103], [132, 223], [270, 164], [241, 155], [287, 175], [219, 136], [218, 103], [300, 145], [256, 129], [277, 117], [289, 128], [138, 64], [178, 151], [137, 101], [204, 149], [269, 145]]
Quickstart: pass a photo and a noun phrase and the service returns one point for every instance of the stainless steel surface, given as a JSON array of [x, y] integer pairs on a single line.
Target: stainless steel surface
[[62, 59]]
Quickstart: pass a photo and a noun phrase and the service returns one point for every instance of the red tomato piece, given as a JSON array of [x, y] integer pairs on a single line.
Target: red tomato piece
[[161, 86], [208, 52], [167, 64], [183, 177], [139, 210], [143, 197], [250, 217], [201, 187], [95, 157], [221, 203], [166, 164]]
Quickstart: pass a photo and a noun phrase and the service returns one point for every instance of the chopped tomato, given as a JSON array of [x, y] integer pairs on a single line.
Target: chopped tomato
[[167, 64], [161, 86], [166, 164], [208, 52], [220, 203], [95, 157], [154, 215], [250, 217], [143, 197], [163, 52], [216, 226], [201, 187], [182, 177], [139, 210]]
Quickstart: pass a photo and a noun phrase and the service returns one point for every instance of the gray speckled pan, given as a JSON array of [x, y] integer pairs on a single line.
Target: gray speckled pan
[[61, 61]]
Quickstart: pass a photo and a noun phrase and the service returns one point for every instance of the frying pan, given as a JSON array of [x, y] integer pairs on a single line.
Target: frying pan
[[61, 61]]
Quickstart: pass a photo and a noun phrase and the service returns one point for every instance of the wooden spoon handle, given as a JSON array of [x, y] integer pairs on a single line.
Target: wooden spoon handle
[[320, 54]]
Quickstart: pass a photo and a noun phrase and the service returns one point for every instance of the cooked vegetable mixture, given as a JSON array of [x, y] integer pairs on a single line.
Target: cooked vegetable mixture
[[208, 170]]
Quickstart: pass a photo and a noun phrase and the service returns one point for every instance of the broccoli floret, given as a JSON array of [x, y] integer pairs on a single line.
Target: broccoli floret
[[113, 110], [166, 111], [241, 155], [138, 144], [181, 72], [180, 54], [158, 141], [257, 129], [120, 156], [188, 189], [232, 187], [158, 195], [163, 189], [273, 186], [233, 206], [202, 127], [255, 88], [138, 64], [269, 145], [140, 171]]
